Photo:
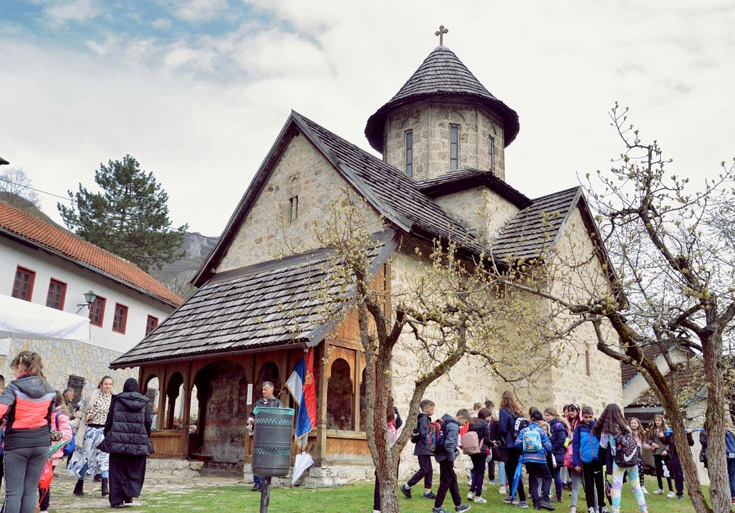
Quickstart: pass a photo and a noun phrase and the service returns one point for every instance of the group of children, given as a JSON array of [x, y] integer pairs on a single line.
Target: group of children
[[553, 448]]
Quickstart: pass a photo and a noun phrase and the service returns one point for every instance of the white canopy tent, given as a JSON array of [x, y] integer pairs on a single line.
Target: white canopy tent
[[23, 319]]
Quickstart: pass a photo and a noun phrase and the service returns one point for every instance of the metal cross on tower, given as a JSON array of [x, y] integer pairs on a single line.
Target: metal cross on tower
[[441, 33]]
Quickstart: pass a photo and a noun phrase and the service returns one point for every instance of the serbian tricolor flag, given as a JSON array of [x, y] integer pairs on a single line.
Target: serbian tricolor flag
[[306, 418]]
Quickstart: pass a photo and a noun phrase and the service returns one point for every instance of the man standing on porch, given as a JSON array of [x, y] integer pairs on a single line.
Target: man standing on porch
[[269, 401]]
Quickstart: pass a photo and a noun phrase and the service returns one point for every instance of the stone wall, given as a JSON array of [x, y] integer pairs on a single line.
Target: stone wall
[[586, 376], [63, 358], [266, 232], [481, 209], [430, 122]]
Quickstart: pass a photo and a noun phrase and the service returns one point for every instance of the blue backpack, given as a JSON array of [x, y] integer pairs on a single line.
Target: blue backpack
[[730, 444], [68, 448]]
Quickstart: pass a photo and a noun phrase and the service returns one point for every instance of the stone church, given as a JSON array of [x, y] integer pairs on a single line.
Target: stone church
[[442, 138]]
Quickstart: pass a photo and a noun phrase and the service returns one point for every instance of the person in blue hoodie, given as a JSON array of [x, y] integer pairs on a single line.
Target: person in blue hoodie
[[445, 456], [585, 457], [535, 443]]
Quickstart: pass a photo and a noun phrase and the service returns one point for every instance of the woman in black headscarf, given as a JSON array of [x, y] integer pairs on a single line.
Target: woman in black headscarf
[[127, 439]]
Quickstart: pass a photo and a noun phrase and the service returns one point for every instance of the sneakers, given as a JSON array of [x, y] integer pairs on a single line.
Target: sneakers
[[547, 505], [429, 495], [523, 505], [680, 497], [479, 500], [603, 510], [658, 492], [503, 489], [592, 509], [510, 500], [492, 483], [462, 507], [471, 495], [671, 495], [406, 490], [644, 490], [439, 510], [572, 509]]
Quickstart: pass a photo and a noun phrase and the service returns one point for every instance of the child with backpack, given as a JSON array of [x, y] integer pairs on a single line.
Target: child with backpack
[[558, 438], [660, 452], [510, 423], [60, 430], [614, 433], [534, 442], [422, 451], [446, 452], [585, 456], [476, 442]]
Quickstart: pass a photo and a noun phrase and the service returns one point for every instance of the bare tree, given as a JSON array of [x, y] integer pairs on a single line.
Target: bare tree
[[16, 184], [672, 285], [450, 309]]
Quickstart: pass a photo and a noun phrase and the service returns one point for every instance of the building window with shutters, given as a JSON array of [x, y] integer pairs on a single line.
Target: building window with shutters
[[150, 324], [490, 152], [97, 311], [409, 152], [56, 294], [453, 147], [23, 283], [120, 320]]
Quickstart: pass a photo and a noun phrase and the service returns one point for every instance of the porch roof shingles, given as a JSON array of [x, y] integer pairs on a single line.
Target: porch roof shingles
[[258, 307]]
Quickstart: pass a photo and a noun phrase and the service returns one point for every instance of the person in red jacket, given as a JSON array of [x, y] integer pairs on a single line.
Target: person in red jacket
[[28, 402]]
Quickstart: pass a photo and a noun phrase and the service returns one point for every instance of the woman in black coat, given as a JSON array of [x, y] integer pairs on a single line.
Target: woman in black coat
[[127, 439]]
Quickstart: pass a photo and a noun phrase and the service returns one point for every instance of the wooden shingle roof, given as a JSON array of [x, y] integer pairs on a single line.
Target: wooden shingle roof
[[32, 231], [538, 227], [275, 304], [441, 74]]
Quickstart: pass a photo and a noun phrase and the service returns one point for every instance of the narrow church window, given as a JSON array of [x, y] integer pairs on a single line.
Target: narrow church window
[[490, 154], [409, 152], [454, 147], [293, 209]]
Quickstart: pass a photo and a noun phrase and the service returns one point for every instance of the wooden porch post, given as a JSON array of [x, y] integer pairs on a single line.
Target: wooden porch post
[[321, 423]]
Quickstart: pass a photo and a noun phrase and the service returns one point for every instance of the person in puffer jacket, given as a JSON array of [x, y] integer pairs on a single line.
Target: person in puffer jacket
[[535, 461], [445, 456], [127, 439], [28, 401]]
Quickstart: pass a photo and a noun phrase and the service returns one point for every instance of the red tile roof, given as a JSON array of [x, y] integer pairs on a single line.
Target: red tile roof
[[58, 241]]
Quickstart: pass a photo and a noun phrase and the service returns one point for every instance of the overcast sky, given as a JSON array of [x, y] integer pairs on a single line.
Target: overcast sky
[[197, 90]]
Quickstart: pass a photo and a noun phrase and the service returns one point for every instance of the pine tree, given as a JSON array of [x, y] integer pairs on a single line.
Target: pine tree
[[128, 218]]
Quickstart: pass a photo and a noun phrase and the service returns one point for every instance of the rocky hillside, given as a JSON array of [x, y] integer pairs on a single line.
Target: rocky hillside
[[177, 274]]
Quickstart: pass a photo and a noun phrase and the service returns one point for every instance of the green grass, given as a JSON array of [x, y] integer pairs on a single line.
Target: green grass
[[352, 499]]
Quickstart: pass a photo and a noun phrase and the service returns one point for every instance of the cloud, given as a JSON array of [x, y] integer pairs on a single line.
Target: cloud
[[61, 12], [197, 11]]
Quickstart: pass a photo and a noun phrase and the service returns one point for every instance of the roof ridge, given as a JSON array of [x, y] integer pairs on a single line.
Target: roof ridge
[[55, 239]]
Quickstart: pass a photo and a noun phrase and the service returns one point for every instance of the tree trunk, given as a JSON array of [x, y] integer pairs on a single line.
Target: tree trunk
[[719, 491]]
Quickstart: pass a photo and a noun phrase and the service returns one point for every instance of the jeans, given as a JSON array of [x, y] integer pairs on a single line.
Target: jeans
[[425, 471], [502, 477], [576, 479], [23, 468], [677, 473], [731, 475], [447, 482]]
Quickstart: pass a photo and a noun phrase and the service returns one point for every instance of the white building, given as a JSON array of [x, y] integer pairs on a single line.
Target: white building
[[43, 264]]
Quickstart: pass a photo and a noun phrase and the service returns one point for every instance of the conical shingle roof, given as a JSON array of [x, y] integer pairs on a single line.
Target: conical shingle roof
[[441, 74]]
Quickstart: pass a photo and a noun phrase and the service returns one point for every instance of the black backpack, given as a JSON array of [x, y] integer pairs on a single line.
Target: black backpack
[[627, 452]]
